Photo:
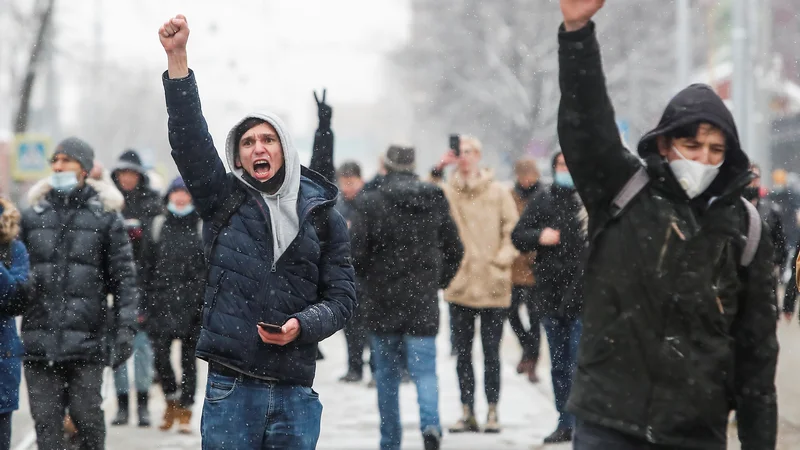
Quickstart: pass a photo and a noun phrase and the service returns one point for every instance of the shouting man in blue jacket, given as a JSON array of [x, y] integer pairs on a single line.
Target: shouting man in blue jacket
[[280, 277]]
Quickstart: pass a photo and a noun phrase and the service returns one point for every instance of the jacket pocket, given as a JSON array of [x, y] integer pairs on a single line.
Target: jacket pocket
[[210, 300]]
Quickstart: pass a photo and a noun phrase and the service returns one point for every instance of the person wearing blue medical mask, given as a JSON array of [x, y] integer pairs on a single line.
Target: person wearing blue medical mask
[[173, 273], [553, 225], [72, 161]]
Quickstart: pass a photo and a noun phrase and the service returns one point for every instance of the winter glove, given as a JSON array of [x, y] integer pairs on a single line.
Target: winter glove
[[123, 348], [324, 110]]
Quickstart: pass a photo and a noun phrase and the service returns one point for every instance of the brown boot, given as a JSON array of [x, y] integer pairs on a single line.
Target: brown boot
[[169, 415], [467, 422], [184, 420], [525, 365], [492, 422], [69, 426]]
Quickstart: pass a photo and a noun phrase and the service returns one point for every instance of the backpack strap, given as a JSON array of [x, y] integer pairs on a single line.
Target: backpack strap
[[221, 218], [753, 233], [156, 225], [628, 192], [320, 218]]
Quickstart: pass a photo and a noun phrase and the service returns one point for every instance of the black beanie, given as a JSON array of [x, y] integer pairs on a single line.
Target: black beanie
[[78, 150]]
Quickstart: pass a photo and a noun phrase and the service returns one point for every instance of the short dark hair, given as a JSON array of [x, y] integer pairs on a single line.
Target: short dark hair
[[349, 169], [242, 128], [690, 130]]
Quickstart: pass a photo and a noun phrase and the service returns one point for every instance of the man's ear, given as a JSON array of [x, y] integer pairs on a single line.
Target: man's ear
[[237, 163], [664, 145]]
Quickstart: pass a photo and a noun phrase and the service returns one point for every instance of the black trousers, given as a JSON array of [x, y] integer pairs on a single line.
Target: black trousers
[[529, 339], [462, 320], [5, 431], [162, 346], [355, 333], [54, 388]]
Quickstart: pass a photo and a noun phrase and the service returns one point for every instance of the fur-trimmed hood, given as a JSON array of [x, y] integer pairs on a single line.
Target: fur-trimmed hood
[[9, 221], [108, 194]]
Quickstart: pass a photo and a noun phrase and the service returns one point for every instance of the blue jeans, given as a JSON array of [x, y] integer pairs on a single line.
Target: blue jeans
[[142, 367], [243, 413], [420, 354], [563, 336]]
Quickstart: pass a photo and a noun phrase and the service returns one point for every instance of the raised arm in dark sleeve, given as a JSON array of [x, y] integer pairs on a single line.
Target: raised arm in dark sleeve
[[756, 352], [322, 154], [192, 147], [587, 130]]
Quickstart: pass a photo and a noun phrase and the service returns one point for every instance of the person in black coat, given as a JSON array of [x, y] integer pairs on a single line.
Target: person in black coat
[[406, 247], [280, 278], [679, 313], [79, 253], [173, 274], [141, 205], [552, 226]]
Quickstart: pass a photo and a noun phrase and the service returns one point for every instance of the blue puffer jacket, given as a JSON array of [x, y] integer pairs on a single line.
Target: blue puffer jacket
[[245, 286], [10, 345]]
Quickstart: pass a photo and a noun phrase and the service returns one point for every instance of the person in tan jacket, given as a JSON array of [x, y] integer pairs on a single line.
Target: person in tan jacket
[[485, 215], [522, 279]]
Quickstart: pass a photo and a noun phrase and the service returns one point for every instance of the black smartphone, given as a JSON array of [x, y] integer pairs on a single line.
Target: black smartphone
[[270, 328], [455, 144]]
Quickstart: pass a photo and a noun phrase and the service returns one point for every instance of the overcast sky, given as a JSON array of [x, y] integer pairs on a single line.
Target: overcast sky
[[251, 54]]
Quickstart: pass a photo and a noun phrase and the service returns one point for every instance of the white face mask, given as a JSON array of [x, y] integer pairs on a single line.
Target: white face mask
[[694, 177]]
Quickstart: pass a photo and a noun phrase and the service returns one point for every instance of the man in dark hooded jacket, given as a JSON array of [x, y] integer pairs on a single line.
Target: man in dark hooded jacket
[[141, 205], [280, 278], [679, 311], [406, 247]]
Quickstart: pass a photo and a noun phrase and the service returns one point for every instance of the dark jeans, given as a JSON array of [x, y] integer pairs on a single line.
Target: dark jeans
[[463, 323], [5, 431], [54, 388], [245, 413], [162, 347], [394, 352], [529, 339], [563, 336], [589, 436]]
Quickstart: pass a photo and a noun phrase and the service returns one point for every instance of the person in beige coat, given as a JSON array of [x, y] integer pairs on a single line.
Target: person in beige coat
[[485, 214]]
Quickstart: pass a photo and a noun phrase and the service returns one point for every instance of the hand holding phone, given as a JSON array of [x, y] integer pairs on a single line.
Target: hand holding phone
[[270, 328], [279, 335], [455, 144]]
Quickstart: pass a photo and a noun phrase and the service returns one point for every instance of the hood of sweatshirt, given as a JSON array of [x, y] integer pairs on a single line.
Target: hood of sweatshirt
[[285, 222]]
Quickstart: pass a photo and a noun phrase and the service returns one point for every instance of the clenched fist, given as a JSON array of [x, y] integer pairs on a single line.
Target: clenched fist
[[577, 13], [173, 35]]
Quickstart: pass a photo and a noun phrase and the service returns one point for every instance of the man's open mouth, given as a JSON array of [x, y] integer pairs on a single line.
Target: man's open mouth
[[261, 168]]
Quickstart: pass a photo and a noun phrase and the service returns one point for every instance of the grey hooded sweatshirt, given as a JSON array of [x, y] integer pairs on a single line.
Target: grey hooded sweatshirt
[[283, 203]]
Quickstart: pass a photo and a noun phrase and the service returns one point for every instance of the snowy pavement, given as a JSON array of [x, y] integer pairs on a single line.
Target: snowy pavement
[[350, 417]]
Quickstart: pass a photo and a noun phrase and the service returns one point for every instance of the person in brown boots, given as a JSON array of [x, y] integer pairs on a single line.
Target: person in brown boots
[[485, 215], [522, 279], [174, 268]]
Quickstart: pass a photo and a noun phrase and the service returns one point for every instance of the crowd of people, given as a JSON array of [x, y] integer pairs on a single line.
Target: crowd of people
[[653, 276]]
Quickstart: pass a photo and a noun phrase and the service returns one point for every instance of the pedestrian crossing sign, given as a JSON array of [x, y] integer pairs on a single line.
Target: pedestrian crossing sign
[[30, 157]]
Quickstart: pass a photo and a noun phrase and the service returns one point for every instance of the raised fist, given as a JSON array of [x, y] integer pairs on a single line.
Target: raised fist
[[174, 34], [577, 13]]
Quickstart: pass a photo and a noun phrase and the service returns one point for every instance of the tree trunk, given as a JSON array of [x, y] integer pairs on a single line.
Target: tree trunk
[[23, 110]]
